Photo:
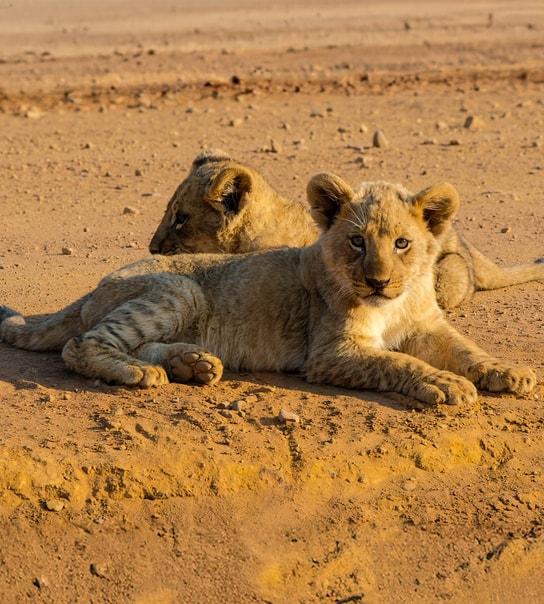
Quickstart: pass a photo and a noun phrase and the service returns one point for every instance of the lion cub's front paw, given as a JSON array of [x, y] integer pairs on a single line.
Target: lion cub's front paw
[[199, 366], [152, 376], [498, 376], [445, 387]]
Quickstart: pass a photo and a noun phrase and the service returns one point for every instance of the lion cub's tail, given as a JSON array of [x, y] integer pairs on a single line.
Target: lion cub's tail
[[49, 334], [488, 275]]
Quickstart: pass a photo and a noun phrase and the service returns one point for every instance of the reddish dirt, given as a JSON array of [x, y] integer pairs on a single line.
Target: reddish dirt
[[116, 495]]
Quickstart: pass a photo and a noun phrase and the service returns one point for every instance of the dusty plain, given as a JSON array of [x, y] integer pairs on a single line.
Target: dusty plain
[[170, 496]]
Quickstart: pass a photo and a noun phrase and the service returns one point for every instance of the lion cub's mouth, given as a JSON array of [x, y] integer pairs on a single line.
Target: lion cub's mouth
[[379, 296]]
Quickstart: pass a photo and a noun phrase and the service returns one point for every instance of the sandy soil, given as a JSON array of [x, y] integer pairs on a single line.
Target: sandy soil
[[116, 495]]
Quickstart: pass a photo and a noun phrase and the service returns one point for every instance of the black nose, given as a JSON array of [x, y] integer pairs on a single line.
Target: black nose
[[377, 283]]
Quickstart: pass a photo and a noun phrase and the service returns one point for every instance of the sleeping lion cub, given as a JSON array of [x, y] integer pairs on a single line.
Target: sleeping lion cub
[[223, 206], [356, 309]]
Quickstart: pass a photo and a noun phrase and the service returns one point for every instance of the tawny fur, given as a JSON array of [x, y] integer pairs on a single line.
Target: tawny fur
[[356, 309], [224, 206]]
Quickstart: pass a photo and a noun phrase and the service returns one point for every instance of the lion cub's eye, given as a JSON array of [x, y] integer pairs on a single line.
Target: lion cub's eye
[[402, 244], [179, 221], [357, 242]]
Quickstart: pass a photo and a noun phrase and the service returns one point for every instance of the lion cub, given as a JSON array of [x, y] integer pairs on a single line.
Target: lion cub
[[224, 206], [356, 309]]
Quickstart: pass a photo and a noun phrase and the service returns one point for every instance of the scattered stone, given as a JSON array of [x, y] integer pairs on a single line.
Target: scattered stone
[[316, 113], [41, 582], [33, 113], [506, 229], [275, 147], [454, 142], [474, 122], [440, 125], [99, 569], [67, 251], [226, 413], [137, 172], [54, 505], [379, 139], [286, 417], [238, 405], [131, 210], [236, 122]]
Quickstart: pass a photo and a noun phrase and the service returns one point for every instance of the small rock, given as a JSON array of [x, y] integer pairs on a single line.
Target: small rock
[[238, 405], [440, 125], [236, 122], [33, 113], [506, 229], [286, 417], [99, 569], [54, 505], [474, 122], [363, 128], [41, 582], [131, 210], [137, 172], [316, 113], [379, 139], [67, 251], [275, 147]]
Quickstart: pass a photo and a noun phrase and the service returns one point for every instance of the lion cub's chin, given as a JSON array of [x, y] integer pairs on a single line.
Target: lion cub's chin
[[377, 300]]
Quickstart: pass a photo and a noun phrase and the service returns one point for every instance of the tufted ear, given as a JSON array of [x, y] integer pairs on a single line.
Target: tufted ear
[[210, 156], [438, 206], [327, 193], [229, 189]]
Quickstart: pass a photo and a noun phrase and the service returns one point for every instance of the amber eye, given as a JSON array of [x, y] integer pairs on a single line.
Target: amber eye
[[357, 242], [402, 244], [180, 220]]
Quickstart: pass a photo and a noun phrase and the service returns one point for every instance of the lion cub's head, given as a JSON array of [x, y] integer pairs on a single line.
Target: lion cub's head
[[223, 206], [380, 241], [200, 208]]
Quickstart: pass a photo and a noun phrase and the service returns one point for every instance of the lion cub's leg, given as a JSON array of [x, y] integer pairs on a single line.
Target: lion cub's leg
[[109, 350], [353, 364], [453, 281], [183, 362], [89, 356], [445, 348]]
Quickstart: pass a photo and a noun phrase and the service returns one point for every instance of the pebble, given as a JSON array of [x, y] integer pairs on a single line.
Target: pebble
[[474, 122], [33, 113], [131, 210], [99, 569], [286, 416], [506, 229], [54, 505], [379, 139], [238, 405], [275, 147], [67, 251]]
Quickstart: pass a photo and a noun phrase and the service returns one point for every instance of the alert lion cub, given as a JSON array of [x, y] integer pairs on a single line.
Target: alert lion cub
[[356, 309], [224, 206]]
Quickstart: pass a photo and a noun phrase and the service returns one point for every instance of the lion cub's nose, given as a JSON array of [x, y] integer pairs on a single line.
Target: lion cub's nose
[[377, 283]]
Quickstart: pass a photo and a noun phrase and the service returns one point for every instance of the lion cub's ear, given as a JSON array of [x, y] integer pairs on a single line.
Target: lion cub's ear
[[438, 205], [327, 193], [229, 189]]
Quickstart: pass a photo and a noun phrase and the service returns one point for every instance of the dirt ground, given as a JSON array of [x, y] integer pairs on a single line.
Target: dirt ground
[[170, 496]]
